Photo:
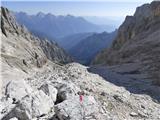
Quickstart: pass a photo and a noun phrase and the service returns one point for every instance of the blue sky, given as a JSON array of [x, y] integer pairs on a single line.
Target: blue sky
[[95, 11], [115, 8]]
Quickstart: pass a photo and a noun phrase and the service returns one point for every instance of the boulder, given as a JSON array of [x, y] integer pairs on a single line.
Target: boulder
[[49, 90], [36, 105], [74, 109], [66, 90], [133, 114], [14, 87]]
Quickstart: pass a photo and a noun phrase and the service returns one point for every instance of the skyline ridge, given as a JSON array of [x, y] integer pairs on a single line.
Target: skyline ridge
[[90, 8]]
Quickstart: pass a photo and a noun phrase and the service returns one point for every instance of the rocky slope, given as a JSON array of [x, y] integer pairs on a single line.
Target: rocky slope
[[138, 41], [21, 51], [51, 93], [18, 44]]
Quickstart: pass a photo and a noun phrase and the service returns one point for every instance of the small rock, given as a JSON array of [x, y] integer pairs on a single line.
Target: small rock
[[142, 106], [133, 114], [24, 62], [142, 114], [117, 97], [90, 90], [103, 93]]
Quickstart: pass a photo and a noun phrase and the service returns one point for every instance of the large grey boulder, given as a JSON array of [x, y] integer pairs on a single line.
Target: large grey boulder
[[66, 90], [17, 89], [36, 105], [41, 103], [73, 109]]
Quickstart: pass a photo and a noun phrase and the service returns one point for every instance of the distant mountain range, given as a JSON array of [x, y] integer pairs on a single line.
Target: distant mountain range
[[51, 26], [80, 38], [89, 46], [110, 22], [70, 41]]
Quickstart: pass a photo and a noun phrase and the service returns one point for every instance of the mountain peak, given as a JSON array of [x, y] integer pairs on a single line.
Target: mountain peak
[[57, 26], [148, 10], [68, 15], [40, 14]]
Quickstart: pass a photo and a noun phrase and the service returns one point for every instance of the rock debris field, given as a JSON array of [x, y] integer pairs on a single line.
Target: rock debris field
[[51, 93]]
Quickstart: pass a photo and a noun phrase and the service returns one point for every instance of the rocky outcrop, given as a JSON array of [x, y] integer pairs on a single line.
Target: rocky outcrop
[[138, 41], [14, 87], [145, 19], [34, 105]]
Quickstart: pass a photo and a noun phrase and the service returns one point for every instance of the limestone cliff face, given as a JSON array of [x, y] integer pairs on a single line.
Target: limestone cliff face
[[138, 41], [23, 50], [146, 18]]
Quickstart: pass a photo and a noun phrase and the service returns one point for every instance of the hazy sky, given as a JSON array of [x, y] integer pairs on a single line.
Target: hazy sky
[[114, 8]]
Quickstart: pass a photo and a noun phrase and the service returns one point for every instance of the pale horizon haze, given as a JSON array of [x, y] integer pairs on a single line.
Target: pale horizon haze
[[95, 11]]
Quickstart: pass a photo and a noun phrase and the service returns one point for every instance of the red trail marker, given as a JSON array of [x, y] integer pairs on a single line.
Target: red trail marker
[[80, 98]]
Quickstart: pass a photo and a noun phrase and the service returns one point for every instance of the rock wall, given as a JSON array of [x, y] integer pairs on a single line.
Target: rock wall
[[138, 41]]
